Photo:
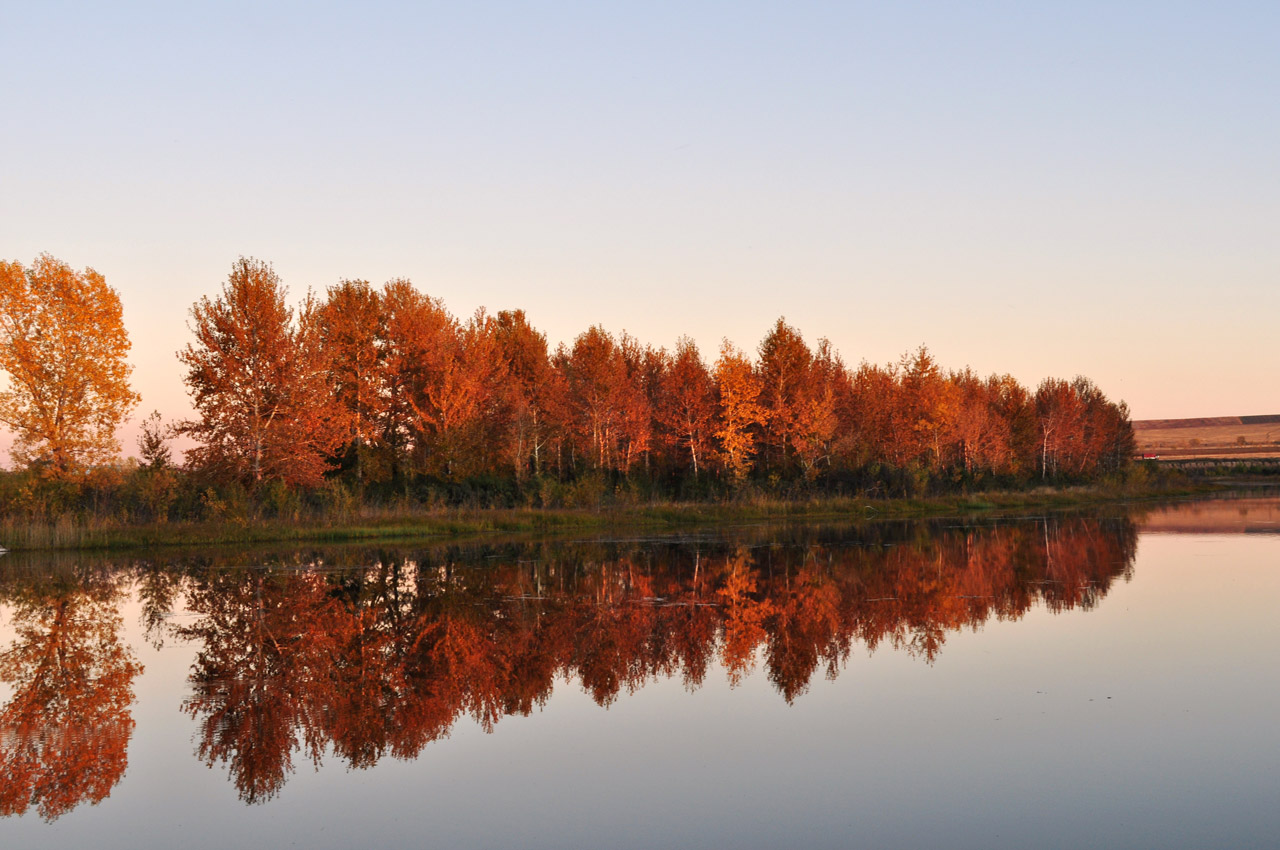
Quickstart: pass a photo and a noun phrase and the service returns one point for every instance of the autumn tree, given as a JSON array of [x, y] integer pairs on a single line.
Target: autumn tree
[[352, 329], [462, 400], [1013, 405], [1110, 436], [816, 418], [603, 401], [738, 393], [868, 416], [394, 385], [926, 409], [417, 332], [980, 434], [1101, 439], [62, 348], [687, 403], [1058, 413], [529, 390], [644, 366], [260, 383], [443, 378], [784, 370]]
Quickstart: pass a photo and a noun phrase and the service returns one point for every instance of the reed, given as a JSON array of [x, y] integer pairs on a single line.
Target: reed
[[406, 524]]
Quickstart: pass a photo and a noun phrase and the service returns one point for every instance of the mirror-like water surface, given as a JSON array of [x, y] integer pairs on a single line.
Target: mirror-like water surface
[[1035, 682]]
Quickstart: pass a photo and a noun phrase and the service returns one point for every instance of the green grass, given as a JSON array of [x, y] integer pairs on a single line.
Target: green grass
[[406, 526]]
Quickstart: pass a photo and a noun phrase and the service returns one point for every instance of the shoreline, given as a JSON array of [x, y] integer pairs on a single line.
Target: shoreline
[[385, 526]]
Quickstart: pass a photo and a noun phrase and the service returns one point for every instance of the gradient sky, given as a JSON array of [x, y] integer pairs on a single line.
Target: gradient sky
[[1040, 189]]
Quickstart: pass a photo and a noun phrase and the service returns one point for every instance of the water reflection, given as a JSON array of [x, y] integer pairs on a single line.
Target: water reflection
[[1242, 514], [383, 661], [383, 657], [64, 733]]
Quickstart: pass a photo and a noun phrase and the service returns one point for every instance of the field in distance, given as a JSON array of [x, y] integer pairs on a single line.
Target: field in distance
[[1219, 436]]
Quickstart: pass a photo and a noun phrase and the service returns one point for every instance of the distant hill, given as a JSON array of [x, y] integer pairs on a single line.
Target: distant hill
[[1205, 422], [1213, 436]]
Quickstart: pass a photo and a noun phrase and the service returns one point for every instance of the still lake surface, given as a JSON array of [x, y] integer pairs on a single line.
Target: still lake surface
[[1105, 678]]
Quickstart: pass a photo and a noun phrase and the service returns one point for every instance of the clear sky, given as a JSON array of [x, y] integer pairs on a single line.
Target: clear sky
[[1034, 188]]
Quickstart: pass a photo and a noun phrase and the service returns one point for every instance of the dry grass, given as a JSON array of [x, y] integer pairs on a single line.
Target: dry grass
[[1221, 437], [459, 524]]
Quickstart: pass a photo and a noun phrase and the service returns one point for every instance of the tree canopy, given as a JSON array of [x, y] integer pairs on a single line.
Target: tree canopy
[[259, 383], [371, 393], [62, 348]]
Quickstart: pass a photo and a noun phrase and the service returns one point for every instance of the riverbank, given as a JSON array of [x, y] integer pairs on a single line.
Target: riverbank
[[406, 525]]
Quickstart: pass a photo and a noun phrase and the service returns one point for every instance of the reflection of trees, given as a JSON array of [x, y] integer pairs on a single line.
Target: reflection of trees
[[744, 615], [268, 643], [65, 732], [384, 660]]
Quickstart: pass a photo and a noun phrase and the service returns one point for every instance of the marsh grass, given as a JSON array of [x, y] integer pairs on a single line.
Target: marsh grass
[[387, 524]]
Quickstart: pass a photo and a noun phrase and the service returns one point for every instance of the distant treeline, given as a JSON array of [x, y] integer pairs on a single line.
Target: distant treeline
[[379, 394]]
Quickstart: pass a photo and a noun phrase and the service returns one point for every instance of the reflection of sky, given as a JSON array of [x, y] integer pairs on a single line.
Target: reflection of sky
[[1047, 189], [1148, 721]]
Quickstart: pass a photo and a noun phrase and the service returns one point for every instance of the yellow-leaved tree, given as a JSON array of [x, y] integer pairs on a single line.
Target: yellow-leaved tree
[[62, 350], [740, 412]]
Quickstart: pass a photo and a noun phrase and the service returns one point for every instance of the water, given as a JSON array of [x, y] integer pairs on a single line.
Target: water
[[1102, 679]]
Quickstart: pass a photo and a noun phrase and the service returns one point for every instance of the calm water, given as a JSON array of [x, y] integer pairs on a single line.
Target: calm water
[[1102, 680]]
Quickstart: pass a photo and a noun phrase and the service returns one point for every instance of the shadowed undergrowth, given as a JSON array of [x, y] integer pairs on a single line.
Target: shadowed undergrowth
[[386, 524]]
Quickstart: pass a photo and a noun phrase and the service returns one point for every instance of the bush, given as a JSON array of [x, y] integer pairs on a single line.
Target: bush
[[278, 501], [334, 499], [150, 493], [587, 491]]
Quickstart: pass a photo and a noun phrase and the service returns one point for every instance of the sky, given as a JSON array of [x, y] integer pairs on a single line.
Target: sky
[[1043, 189]]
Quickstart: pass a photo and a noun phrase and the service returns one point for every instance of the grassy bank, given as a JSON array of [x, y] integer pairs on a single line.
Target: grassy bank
[[409, 525]]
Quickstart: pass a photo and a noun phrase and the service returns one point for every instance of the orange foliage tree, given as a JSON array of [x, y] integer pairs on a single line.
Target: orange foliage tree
[[687, 403], [417, 331], [63, 347], [926, 410], [784, 373], [530, 390], [738, 389], [443, 383], [259, 381], [607, 410], [817, 421], [352, 327], [397, 389], [463, 400], [868, 417]]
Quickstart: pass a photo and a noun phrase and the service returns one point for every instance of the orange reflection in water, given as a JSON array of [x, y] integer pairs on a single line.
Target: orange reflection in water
[[65, 732], [383, 660]]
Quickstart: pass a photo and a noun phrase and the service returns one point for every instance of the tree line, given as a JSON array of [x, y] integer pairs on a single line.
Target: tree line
[[385, 393]]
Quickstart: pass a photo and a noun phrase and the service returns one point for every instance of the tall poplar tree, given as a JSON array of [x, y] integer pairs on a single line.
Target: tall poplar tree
[[259, 383], [738, 389], [687, 403], [353, 328]]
